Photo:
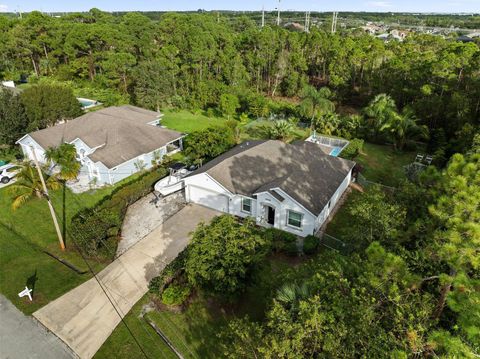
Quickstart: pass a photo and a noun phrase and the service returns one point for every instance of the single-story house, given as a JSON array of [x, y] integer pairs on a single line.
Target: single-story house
[[292, 187], [112, 143]]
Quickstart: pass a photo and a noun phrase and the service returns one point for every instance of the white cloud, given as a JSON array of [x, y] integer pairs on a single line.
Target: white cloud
[[3, 8], [382, 4]]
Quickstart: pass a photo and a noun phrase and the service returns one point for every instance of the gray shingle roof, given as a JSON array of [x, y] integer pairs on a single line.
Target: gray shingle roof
[[122, 132], [302, 170]]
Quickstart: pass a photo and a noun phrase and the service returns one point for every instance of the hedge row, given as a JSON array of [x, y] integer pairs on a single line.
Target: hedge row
[[96, 229], [282, 241]]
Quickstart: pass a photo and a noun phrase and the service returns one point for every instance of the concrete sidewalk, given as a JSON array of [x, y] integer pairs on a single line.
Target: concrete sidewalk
[[84, 318], [24, 337]]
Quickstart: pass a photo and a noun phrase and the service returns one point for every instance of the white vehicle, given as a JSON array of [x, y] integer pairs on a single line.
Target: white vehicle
[[7, 172]]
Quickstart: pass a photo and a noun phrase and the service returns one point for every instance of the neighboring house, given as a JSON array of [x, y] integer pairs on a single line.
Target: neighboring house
[[292, 187], [111, 143]]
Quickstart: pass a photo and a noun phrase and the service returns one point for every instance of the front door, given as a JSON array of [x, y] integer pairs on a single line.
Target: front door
[[270, 215]]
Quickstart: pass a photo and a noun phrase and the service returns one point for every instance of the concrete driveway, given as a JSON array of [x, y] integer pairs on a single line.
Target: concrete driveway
[[84, 318], [145, 215], [24, 337]]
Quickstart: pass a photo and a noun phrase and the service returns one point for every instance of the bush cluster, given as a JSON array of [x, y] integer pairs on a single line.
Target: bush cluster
[[172, 271], [94, 227], [283, 242], [352, 149], [310, 244], [175, 294]]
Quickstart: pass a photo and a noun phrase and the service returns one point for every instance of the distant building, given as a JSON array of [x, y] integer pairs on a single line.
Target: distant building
[[112, 143], [295, 26]]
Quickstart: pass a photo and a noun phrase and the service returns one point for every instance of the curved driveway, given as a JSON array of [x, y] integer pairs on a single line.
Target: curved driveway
[[84, 318]]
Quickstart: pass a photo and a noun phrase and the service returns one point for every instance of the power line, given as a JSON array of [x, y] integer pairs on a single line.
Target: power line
[[110, 252], [108, 297]]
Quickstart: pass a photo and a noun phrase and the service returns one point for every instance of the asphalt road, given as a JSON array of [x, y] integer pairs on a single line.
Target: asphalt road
[[23, 337]]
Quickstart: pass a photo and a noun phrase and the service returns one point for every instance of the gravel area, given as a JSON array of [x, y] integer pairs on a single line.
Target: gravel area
[[147, 214]]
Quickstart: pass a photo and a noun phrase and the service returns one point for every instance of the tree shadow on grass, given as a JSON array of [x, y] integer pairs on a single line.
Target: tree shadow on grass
[[205, 320]]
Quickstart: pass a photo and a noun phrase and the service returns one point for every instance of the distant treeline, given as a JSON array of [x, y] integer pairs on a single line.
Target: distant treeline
[[191, 59]]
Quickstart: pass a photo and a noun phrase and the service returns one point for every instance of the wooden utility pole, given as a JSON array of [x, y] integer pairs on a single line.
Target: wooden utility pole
[[45, 190]]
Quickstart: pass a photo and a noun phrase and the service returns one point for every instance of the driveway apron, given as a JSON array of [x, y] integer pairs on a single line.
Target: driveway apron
[[84, 318]]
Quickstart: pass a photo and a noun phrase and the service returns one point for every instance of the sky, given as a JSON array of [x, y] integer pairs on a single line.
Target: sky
[[444, 6]]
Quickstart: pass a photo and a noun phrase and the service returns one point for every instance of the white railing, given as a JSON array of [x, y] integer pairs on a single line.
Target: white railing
[[329, 141]]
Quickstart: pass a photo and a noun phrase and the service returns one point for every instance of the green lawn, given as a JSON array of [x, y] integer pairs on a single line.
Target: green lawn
[[121, 344], [25, 233], [185, 121], [194, 332], [338, 227], [383, 164]]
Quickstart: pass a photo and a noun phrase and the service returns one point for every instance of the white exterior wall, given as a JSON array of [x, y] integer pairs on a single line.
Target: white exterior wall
[[322, 217], [26, 143], [236, 206], [204, 190], [281, 212]]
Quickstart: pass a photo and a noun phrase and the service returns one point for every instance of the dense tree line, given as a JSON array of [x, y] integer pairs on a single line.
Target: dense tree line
[[409, 286], [191, 60], [35, 108]]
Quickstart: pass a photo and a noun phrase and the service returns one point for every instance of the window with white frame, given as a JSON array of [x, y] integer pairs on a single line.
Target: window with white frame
[[294, 219], [246, 205]]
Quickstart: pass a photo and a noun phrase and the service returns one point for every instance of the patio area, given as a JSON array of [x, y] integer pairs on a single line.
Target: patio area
[[83, 183]]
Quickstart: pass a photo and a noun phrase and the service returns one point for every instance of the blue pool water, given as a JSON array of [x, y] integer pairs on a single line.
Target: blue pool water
[[86, 102], [336, 151]]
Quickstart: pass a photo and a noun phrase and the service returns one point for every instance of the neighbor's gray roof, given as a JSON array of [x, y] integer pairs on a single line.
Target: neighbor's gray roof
[[123, 132], [301, 169]]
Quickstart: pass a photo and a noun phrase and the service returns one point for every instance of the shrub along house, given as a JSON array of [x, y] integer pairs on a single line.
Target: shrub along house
[[112, 143], [292, 187]]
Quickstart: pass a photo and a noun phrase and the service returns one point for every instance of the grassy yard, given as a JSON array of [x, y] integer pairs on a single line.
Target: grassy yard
[[25, 233], [383, 164], [194, 332], [186, 121]]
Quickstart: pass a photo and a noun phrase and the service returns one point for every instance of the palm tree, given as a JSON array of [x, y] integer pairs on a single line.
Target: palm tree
[[316, 103], [328, 124], [290, 294], [380, 111], [28, 185], [404, 126], [279, 130], [65, 158]]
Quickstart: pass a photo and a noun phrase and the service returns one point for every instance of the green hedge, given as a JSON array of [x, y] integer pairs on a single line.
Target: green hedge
[[96, 229], [282, 241], [172, 271], [175, 294], [310, 244], [352, 149]]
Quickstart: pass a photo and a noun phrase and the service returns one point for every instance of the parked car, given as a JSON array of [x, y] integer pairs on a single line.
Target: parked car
[[7, 172]]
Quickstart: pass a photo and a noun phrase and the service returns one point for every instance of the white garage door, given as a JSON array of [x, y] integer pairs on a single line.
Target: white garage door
[[208, 198]]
